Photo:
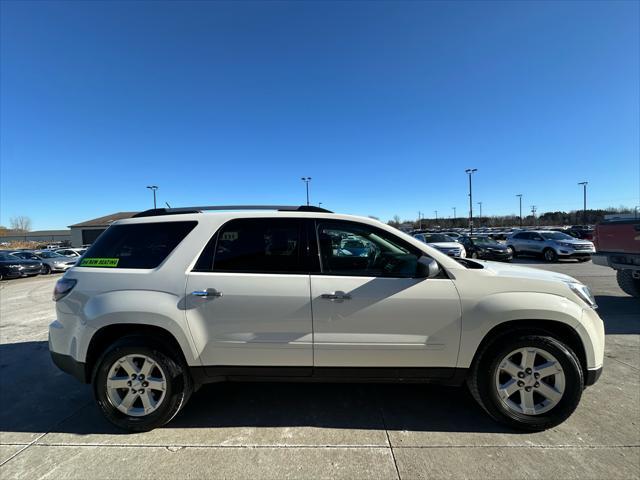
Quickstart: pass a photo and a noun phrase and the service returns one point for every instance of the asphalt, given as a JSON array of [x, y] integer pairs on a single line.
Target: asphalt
[[50, 428]]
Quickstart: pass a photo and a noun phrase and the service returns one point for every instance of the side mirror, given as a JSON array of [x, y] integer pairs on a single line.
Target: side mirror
[[428, 267]]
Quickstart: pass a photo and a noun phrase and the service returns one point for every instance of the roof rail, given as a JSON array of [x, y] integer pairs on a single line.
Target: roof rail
[[281, 208]]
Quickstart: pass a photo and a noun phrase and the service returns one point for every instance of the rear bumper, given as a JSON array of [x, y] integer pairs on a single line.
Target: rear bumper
[[70, 365], [592, 376]]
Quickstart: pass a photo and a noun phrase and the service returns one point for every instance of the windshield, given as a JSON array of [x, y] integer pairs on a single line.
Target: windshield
[[556, 236], [437, 238], [49, 254], [484, 241]]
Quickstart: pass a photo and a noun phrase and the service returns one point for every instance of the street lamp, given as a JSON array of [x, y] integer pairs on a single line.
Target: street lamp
[[519, 195], [306, 180], [584, 199], [453, 223], [480, 203], [470, 171], [420, 220], [436, 212], [153, 188]]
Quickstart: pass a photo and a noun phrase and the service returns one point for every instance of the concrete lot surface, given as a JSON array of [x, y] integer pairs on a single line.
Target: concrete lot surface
[[50, 428]]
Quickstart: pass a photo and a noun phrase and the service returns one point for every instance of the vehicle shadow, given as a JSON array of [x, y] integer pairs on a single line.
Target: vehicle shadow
[[35, 397], [621, 315]]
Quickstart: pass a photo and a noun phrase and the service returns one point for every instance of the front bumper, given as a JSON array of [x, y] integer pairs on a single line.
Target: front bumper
[[570, 253]]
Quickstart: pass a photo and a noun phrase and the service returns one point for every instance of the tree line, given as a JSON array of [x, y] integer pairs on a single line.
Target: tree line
[[557, 218]]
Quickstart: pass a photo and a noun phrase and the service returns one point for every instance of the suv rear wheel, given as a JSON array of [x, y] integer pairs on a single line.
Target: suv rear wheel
[[139, 385], [531, 382]]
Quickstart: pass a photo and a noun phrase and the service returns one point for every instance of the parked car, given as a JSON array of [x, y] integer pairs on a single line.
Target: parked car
[[444, 243], [71, 252], [618, 247], [52, 261], [486, 248], [550, 245], [582, 232], [14, 267], [168, 300]]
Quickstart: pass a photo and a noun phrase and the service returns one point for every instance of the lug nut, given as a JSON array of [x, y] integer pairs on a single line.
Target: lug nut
[[528, 389], [133, 376], [133, 390], [520, 374], [141, 391], [141, 377], [145, 384], [536, 375], [528, 370], [537, 384], [129, 383], [521, 383]]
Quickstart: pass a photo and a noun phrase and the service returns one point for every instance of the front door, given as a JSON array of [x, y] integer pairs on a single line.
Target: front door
[[371, 310], [248, 301]]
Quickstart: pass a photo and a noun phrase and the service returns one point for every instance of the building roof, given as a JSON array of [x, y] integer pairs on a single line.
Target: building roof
[[104, 221]]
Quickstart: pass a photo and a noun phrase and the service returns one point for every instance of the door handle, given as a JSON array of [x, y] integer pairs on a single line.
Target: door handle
[[209, 292], [336, 296]]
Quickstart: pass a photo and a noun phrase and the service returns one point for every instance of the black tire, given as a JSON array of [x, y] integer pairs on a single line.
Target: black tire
[[46, 269], [628, 284], [481, 382], [550, 255], [179, 384]]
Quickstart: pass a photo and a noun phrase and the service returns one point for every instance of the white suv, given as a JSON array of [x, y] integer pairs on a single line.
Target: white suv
[[171, 299]]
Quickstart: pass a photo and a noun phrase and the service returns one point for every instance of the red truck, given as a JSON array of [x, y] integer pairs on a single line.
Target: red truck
[[617, 244]]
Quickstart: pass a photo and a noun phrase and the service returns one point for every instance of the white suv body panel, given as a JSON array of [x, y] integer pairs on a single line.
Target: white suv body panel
[[467, 306]]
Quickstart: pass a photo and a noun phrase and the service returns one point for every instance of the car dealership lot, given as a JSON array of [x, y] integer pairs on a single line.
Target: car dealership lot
[[49, 426]]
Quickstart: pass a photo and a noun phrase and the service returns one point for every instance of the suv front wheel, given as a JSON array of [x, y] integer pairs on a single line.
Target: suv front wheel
[[531, 382], [139, 385]]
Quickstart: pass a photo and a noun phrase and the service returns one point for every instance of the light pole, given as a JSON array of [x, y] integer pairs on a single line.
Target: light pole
[[480, 203], [153, 188], [436, 212], [453, 224], [470, 171], [520, 198], [533, 213], [584, 199], [306, 180], [420, 219]]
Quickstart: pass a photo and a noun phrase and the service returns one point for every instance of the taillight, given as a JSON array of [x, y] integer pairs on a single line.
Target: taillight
[[63, 288]]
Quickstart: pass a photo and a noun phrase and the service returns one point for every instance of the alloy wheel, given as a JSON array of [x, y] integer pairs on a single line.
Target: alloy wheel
[[136, 385], [530, 381]]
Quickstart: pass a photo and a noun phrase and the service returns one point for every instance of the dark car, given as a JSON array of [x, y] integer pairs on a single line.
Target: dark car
[[486, 248], [14, 267]]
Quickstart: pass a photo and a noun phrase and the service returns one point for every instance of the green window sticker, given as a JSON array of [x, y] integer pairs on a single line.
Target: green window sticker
[[99, 262]]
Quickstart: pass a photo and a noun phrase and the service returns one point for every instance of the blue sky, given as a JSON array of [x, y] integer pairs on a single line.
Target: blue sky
[[383, 104]]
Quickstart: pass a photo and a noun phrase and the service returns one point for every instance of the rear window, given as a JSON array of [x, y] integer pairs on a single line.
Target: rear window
[[140, 245]]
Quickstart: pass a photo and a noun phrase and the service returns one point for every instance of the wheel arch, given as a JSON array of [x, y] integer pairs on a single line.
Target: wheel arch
[[558, 330], [109, 334]]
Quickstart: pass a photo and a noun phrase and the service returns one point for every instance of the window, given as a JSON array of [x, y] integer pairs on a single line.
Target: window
[[258, 245], [138, 245], [520, 236], [362, 250]]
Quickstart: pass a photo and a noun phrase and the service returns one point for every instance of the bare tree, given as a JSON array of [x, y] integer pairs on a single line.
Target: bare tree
[[20, 224]]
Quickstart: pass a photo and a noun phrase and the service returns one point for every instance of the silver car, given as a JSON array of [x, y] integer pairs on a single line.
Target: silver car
[[51, 261], [550, 244]]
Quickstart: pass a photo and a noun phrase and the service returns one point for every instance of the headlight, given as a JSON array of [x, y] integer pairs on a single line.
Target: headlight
[[584, 293], [14, 266], [565, 244]]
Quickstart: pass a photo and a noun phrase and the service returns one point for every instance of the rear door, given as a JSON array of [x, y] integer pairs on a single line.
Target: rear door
[[248, 298]]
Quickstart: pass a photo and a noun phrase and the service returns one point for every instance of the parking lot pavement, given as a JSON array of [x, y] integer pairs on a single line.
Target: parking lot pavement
[[49, 427]]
